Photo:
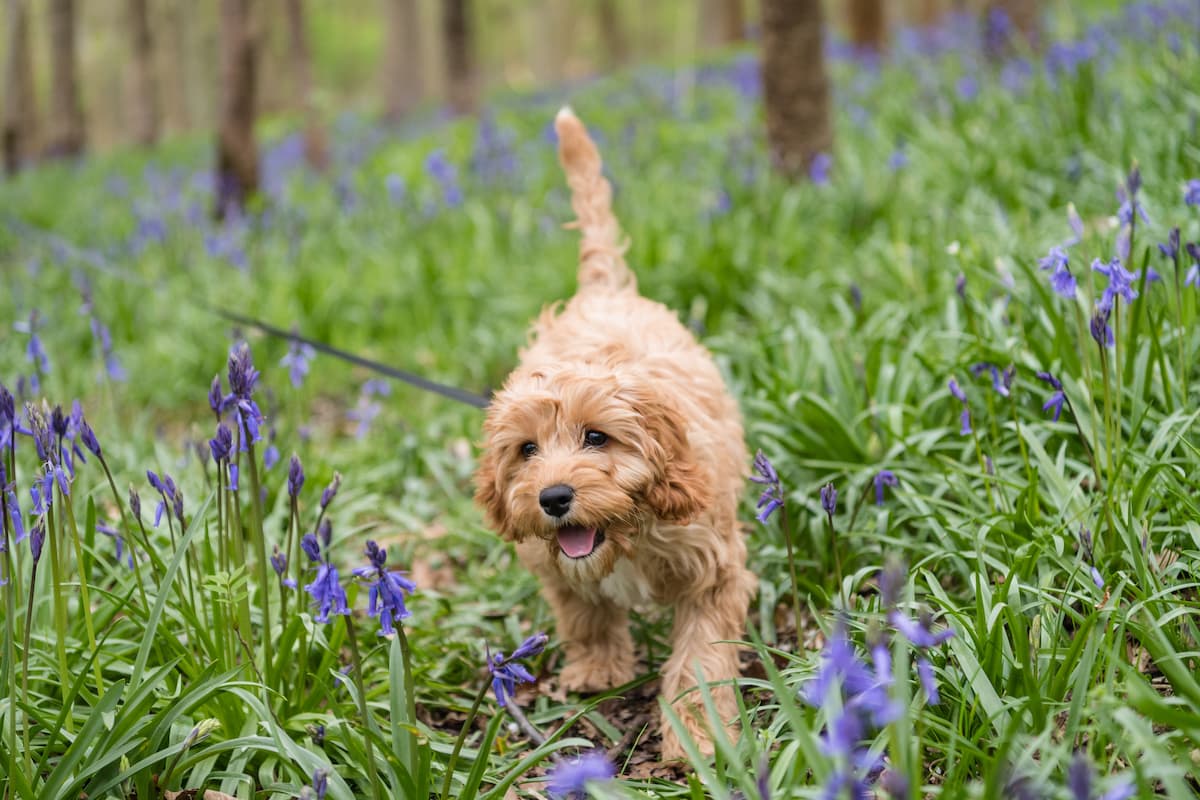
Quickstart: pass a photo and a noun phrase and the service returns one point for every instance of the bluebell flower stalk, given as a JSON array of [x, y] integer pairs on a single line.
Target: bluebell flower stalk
[[773, 499]]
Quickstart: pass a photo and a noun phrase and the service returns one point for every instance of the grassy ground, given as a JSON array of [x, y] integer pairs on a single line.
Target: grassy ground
[[840, 311]]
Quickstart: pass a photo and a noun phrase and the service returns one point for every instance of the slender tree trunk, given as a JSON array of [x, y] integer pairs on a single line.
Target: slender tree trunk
[[175, 76], [144, 118], [402, 75], [1008, 21], [723, 22], [868, 25], [616, 48], [460, 56], [66, 109], [795, 84], [18, 132], [316, 148], [929, 13], [237, 152]]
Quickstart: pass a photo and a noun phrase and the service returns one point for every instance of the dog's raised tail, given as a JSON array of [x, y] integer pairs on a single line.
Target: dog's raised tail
[[601, 251]]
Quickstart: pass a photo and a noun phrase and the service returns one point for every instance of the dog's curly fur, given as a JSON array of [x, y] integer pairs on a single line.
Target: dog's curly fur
[[655, 500]]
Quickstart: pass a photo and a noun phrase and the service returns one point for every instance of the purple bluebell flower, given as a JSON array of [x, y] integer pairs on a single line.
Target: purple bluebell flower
[[221, 444], [88, 437], [967, 87], [327, 593], [118, 540], [505, 675], [865, 691], [819, 168], [772, 496], [331, 490], [1191, 193], [386, 599], [233, 476], [135, 503], [898, 160], [13, 508], [1001, 379], [242, 379], [1170, 248], [1062, 281], [1057, 398], [42, 492], [829, 500], [568, 778], [270, 457], [918, 631], [1080, 778], [883, 478], [297, 361], [37, 538], [928, 681], [1089, 555], [279, 564], [1101, 331], [1120, 282], [1193, 274], [295, 479], [215, 397], [960, 286], [532, 646], [325, 532], [1127, 197], [396, 187], [444, 172], [320, 784], [957, 391], [1076, 225], [310, 546]]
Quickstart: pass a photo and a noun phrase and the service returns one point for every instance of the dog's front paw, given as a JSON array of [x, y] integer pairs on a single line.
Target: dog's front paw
[[595, 674]]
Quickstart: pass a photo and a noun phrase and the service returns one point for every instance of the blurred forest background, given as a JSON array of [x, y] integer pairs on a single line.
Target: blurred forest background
[[107, 74]]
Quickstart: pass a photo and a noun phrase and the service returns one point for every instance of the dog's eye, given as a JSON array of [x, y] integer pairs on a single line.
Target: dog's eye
[[594, 438], [529, 450]]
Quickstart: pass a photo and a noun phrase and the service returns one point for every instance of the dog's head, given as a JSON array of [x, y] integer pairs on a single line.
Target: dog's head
[[585, 459]]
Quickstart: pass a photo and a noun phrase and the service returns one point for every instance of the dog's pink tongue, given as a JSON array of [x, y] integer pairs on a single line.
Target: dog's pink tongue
[[576, 541]]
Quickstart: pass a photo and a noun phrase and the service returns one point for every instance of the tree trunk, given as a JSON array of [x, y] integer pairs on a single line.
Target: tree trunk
[[237, 152], [66, 110], [460, 56], [18, 132], [868, 25], [178, 91], [402, 78], [929, 13], [723, 22], [1008, 21], [316, 148], [795, 85], [144, 118], [616, 48]]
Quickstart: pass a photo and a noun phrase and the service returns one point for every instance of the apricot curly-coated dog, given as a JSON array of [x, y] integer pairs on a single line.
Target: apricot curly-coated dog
[[613, 458]]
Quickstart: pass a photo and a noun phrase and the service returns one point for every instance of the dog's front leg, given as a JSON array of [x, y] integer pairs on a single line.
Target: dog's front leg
[[703, 622], [595, 632]]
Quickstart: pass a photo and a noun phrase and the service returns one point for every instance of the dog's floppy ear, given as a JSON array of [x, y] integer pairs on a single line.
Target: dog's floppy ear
[[681, 488], [489, 496]]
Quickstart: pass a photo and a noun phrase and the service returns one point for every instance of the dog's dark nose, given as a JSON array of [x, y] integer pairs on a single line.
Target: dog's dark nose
[[556, 500]]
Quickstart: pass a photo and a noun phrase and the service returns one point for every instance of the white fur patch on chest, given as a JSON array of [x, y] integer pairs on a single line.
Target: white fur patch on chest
[[626, 586]]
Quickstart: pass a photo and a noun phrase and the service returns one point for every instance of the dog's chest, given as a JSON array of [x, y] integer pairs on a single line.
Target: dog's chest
[[626, 586]]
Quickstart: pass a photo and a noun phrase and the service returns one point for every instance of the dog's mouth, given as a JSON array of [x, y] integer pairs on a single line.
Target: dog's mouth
[[577, 541]]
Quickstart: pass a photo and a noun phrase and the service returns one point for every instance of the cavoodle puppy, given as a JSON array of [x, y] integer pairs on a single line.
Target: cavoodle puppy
[[613, 458]]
